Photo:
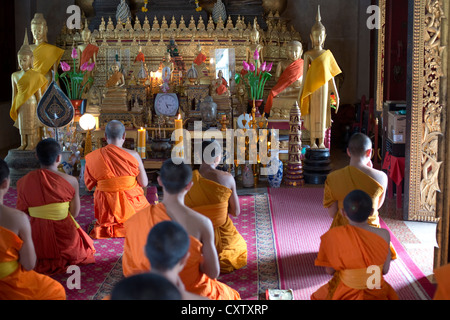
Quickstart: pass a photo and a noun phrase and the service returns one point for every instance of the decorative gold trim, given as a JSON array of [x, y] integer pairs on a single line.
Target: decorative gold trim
[[380, 56]]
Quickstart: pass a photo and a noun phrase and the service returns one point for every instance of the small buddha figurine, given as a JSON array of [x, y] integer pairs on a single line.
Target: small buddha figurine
[[164, 25], [117, 79], [200, 65], [146, 26], [255, 45], [191, 25], [220, 85], [87, 52], [201, 29], [316, 88], [102, 27], [46, 56], [27, 87], [167, 62]]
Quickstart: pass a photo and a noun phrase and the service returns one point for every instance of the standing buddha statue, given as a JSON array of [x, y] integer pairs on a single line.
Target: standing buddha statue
[[319, 69]]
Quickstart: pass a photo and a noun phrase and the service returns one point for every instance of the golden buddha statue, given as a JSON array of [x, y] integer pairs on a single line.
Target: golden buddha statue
[[200, 66], [315, 103], [117, 79], [167, 62], [254, 46], [27, 86], [46, 56], [115, 96], [87, 52], [220, 86]]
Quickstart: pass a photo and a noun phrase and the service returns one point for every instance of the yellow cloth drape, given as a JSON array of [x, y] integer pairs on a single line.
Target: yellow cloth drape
[[321, 70], [45, 56], [52, 211], [27, 85], [356, 278], [8, 267]]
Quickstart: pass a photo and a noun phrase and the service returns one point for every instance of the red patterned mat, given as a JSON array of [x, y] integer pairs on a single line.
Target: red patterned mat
[[299, 220]]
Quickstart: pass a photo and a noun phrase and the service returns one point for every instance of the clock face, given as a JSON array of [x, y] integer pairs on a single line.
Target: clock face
[[166, 104]]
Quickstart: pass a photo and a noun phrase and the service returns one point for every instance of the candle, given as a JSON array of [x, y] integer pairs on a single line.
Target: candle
[[141, 142], [179, 125]]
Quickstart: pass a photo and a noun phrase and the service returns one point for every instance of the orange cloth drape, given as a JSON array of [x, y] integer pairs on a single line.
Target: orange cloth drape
[[45, 57], [112, 81], [341, 182], [58, 243], [222, 88], [291, 74], [349, 248], [211, 199], [200, 59], [88, 53], [28, 84], [22, 284], [134, 260], [442, 275], [117, 196]]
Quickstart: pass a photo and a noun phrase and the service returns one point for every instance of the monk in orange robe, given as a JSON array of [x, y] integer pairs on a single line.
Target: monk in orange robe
[[202, 268], [357, 255], [359, 174], [291, 74], [51, 198], [442, 275], [214, 195], [18, 281], [118, 176]]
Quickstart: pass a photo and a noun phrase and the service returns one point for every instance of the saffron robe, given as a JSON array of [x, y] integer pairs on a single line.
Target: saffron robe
[[58, 243], [45, 57], [211, 199], [351, 251], [134, 260], [341, 182], [27, 85], [16, 283], [222, 88], [442, 275], [113, 171], [114, 79], [200, 59], [88, 53], [291, 74]]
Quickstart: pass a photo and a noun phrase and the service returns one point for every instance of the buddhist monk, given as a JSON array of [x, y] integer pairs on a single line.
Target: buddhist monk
[[359, 174], [18, 280], [51, 198], [119, 177], [202, 268], [167, 249], [357, 255], [145, 286], [442, 277], [214, 195]]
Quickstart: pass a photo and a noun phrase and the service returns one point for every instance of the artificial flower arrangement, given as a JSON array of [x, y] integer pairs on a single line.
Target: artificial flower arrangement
[[72, 79], [333, 101], [144, 8], [198, 8], [254, 79]]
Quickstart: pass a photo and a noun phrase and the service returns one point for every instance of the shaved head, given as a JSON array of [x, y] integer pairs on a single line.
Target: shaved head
[[114, 130], [358, 145]]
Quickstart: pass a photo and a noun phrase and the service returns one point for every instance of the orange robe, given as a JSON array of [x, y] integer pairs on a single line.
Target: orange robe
[[18, 284], [350, 251], [113, 171], [58, 243], [442, 276], [45, 57], [112, 81], [211, 199], [291, 74], [88, 53], [341, 182], [134, 260], [200, 59]]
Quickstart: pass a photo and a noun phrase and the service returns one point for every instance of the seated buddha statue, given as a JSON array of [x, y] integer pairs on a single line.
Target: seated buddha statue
[[200, 65], [220, 86], [115, 97], [289, 75]]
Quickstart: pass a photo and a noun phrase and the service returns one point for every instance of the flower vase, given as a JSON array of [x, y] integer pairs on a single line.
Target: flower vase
[[275, 176], [79, 106], [258, 104]]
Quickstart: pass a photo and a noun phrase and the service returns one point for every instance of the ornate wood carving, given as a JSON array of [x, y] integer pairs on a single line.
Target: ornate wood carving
[[380, 56]]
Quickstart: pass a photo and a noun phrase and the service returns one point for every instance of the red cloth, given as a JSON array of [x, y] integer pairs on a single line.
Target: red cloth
[[395, 167], [200, 59], [222, 88], [88, 53], [58, 244], [140, 57], [291, 74]]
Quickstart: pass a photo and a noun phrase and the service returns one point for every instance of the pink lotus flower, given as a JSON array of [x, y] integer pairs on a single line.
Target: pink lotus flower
[[74, 54], [256, 55], [269, 67], [252, 67], [65, 66], [263, 67], [246, 65], [91, 66], [84, 66]]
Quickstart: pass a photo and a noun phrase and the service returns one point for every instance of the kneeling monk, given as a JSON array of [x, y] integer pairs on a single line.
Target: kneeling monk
[[202, 268], [52, 200], [118, 176], [18, 281], [357, 255], [214, 195]]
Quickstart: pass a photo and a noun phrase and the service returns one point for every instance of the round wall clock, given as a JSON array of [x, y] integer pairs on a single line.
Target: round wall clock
[[166, 104]]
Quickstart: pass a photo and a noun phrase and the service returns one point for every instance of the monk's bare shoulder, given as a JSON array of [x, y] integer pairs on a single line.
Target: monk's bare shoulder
[[225, 178], [70, 179], [382, 233], [13, 219], [132, 152]]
